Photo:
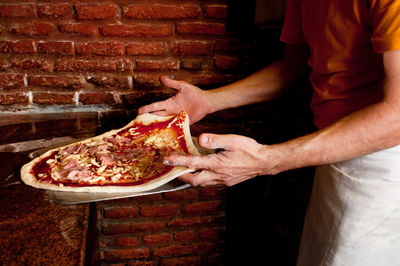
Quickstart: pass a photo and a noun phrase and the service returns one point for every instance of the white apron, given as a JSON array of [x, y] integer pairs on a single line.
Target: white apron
[[353, 218]]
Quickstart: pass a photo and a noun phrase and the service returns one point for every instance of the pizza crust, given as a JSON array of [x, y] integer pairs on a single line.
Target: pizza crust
[[29, 179]]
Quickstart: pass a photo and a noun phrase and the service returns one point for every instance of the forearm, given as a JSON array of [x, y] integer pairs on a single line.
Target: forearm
[[266, 84], [371, 129]]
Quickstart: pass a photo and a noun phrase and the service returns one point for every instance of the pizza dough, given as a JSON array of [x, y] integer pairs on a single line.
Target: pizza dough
[[123, 160]]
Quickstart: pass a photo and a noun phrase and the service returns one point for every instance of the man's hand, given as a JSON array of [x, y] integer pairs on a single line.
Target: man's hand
[[240, 158], [189, 98]]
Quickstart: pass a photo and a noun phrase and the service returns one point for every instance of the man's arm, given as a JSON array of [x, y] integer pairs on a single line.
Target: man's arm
[[371, 129], [266, 84]]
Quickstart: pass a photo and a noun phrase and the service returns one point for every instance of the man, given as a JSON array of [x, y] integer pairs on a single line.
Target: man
[[352, 47]]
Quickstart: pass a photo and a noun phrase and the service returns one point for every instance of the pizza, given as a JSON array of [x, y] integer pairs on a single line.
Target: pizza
[[123, 160]]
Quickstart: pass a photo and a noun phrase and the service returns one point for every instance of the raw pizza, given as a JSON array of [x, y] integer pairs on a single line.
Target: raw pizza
[[124, 160]]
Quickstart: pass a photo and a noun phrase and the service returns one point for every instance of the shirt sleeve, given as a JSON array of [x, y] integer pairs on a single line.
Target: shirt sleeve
[[385, 22], [292, 32]]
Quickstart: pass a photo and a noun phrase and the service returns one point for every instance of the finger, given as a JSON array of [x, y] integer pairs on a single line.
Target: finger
[[190, 161], [200, 178], [226, 142], [187, 178], [161, 113], [211, 183], [153, 107], [172, 83]]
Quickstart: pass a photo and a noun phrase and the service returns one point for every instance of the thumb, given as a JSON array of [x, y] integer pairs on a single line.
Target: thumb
[[214, 141], [175, 84], [172, 83]]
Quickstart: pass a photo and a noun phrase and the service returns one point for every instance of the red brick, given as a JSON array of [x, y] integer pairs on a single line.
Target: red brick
[[106, 49], [136, 200], [211, 233], [147, 80], [124, 65], [61, 48], [128, 241], [19, 47], [110, 82], [126, 254], [106, 242], [174, 250], [155, 239], [193, 64], [213, 191], [229, 45], [76, 65], [35, 28], [162, 11], [187, 260], [17, 10], [202, 207], [14, 98], [53, 98], [191, 221], [159, 210], [216, 10], [222, 45], [121, 228], [183, 249], [96, 98], [183, 222], [185, 236], [84, 29], [140, 263], [32, 63], [193, 47], [54, 10], [146, 48], [185, 194], [206, 78], [138, 30], [11, 81], [95, 11], [200, 28], [151, 65], [56, 81], [121, 212], [226, 62], [142, 96]]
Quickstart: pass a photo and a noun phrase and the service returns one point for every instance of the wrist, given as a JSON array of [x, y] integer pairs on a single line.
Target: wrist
[[212, 101], [277, 158]]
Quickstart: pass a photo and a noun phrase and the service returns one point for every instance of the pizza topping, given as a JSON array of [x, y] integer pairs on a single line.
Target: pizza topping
[[105, 160], [130, 156], [71, 164]]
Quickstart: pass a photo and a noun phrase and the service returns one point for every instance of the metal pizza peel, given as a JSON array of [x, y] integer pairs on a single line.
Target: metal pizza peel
[[66, 198]]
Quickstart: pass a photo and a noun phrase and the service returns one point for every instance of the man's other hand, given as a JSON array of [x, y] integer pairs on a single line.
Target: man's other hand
[[189, 98], [239, 158]]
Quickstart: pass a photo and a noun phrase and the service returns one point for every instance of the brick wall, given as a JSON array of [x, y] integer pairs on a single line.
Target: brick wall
[[184, 227], [110, 52]]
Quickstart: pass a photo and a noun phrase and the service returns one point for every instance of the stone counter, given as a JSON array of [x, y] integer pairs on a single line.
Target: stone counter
[[34, 231]]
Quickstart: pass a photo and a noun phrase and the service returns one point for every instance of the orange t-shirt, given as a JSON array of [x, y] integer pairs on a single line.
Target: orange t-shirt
[[345, 38]]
